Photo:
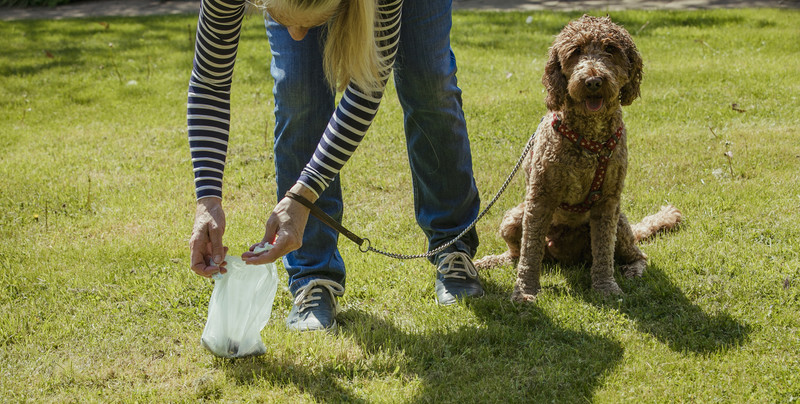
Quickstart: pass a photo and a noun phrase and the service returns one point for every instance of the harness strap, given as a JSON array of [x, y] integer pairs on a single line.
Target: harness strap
[[602, 162]]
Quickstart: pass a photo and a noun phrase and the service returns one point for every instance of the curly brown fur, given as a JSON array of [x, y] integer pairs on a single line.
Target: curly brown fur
[[571, 246], [593, 70]]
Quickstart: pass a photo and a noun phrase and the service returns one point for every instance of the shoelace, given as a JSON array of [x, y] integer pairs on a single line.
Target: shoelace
[[457, 265], [309, 293]]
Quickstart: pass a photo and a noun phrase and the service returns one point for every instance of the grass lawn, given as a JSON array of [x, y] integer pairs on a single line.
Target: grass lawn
[[97, 301]]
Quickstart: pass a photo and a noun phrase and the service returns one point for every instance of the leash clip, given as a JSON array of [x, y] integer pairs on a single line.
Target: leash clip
[[365, 241]]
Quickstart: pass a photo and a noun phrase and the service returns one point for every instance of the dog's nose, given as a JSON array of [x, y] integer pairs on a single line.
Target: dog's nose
[[593, 83]]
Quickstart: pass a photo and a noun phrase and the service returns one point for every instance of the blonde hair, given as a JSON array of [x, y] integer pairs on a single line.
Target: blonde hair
[[350, 52]]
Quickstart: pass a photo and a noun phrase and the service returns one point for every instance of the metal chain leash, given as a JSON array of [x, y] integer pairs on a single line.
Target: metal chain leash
[[474, 222]]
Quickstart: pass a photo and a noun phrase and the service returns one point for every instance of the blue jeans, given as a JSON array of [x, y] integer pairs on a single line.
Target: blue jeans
[[445, 195]]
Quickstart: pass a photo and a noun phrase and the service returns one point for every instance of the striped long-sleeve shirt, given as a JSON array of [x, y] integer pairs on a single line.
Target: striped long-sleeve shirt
[[208, 112]]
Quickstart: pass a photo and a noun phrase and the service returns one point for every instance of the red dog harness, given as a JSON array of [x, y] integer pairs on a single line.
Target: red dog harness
[[602, 162]]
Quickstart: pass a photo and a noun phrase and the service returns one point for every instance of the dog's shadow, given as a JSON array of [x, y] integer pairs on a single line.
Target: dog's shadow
[[660, 308], [515, 353]]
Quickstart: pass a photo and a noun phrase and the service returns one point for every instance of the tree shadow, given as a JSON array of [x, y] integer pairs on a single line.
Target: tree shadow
[[80, 43], [516, 354], [660, 308]]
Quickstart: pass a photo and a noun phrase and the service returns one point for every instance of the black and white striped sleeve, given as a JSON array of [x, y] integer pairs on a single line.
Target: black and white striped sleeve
[[208, 112], [356, 109]]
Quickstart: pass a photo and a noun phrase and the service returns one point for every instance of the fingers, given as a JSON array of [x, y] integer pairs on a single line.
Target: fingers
[[285, 230], [278, 250], [269, 238], [198, 258], [207, 250], [257, 255], [270, 231], [223, 265], [207, 253], [217, 249], [202, 263], [199, 252]]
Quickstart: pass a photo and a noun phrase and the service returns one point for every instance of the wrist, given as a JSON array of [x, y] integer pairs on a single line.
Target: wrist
[[304, 191], [209, 202]]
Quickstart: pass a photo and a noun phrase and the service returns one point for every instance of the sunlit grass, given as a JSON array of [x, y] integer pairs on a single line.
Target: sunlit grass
[[98, 303]]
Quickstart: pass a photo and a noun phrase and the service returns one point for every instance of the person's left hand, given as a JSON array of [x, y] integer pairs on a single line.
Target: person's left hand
[[284, 228]]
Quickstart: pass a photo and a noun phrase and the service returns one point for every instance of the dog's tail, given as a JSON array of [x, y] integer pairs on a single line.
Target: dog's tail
[[668, 218], [491, 261]]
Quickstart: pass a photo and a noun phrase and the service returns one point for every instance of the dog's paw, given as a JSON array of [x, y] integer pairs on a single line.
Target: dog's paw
[[635, 269], [524, 296], [607, 287]]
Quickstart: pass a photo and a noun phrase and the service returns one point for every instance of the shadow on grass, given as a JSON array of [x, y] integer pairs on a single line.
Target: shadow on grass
[[659, 307], [84, 43], [511, 33], [517, 354]]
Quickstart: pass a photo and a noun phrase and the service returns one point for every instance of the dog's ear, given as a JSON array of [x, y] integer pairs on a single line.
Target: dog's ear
[[554, 82], [630, 91]]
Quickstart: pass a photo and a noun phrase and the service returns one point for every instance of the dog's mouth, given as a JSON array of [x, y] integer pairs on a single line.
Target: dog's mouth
[[594, 103]]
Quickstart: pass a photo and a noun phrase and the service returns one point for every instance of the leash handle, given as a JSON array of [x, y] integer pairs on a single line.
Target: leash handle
[[364, 244], [325, 218]]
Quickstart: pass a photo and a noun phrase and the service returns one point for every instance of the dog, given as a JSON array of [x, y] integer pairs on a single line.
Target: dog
[[576, 168]]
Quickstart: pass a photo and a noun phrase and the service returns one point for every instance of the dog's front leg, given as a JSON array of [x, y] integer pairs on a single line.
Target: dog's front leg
[[535, 223], [633, 261], [603, 220]]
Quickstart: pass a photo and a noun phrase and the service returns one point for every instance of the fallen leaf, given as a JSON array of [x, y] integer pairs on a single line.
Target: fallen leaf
[[48, 54], [104, 24], [736, 108]]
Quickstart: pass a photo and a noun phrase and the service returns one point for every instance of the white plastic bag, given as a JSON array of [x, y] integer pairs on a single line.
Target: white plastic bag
[[239, 308]]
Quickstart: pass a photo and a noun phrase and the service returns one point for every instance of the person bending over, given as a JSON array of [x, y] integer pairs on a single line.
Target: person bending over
[[319, 47]]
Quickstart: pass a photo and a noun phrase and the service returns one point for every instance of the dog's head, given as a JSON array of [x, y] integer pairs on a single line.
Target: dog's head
[[593, 67]]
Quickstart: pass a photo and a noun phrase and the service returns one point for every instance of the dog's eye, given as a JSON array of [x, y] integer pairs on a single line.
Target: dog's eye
[[611, 49], [575, 53]]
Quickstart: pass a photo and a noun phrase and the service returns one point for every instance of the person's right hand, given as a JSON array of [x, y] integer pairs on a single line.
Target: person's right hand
[[207, 251], [284, 229]]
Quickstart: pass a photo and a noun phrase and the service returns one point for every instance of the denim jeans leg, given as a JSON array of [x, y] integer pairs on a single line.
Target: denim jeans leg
[[446, 198], [304, 104]]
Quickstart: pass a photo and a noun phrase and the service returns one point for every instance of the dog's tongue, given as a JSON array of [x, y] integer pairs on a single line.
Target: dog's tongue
[[594, 103]]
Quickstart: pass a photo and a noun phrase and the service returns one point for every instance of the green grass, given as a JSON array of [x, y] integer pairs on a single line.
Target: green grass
[[98, 303]]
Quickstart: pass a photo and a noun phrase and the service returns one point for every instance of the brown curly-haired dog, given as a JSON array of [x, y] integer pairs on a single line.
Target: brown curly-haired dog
[[576, 169]]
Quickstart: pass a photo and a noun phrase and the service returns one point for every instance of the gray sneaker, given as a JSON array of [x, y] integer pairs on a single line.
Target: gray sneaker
[[315, 306], [456, 278]]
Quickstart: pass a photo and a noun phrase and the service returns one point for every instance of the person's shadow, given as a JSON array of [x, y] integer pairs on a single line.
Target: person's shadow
[[515, 354]]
